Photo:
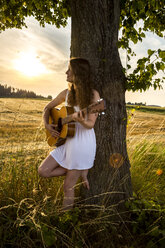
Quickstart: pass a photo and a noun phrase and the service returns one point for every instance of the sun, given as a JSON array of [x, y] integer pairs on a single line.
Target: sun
[[29, 64]]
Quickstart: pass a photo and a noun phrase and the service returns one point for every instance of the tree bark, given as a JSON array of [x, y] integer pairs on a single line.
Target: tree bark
[[94, 36]]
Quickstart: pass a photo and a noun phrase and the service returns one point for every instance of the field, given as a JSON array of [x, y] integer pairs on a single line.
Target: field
[[30, 206]]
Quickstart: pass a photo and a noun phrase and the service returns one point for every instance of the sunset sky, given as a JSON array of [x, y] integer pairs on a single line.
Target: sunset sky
[[36, 59]]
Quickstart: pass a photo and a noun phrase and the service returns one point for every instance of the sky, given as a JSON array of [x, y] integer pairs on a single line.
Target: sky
[[36, 59]]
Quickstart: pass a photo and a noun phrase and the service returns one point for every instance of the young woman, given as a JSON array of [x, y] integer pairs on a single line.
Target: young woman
[[77, 154]]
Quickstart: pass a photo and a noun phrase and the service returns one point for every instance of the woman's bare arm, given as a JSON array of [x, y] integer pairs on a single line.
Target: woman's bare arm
[[60, 98]]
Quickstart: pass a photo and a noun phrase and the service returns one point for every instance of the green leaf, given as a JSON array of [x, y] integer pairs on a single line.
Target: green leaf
[[160, 66], [162, 54], [157, 65], [143, 35], [150, 52]]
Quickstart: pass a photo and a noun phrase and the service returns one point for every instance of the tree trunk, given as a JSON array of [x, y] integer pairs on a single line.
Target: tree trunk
[[94, 36]]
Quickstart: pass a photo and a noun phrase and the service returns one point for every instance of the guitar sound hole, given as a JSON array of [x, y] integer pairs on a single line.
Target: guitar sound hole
[[59, 128]]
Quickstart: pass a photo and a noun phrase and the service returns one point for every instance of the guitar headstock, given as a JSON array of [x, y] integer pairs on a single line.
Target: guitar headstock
[[97, 107]]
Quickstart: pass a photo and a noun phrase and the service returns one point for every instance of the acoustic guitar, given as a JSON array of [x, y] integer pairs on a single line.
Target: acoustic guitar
[[65, 123]]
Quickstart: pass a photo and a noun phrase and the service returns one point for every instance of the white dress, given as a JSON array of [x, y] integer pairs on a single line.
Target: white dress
[[78, 152]]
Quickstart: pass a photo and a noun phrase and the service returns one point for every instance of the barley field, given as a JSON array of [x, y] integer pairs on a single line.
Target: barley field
[[30, 206], [23, 147], [146, 149]]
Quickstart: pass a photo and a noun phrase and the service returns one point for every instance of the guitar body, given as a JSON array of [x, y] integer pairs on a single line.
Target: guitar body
[[66, 130]]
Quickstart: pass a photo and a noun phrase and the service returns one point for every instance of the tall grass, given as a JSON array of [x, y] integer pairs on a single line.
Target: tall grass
[[148, 171], [146, 149], [30, 207]]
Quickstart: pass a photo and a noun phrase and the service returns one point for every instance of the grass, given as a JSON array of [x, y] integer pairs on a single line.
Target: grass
[[22, 150], [147, 160], [30, 207], [146, 149]]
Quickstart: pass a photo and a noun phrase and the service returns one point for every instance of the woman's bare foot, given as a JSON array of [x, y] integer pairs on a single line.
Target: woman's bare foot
[[85, 179]]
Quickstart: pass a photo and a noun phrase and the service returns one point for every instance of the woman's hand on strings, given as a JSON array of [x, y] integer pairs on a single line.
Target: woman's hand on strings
[[52, 128], [79, 116]]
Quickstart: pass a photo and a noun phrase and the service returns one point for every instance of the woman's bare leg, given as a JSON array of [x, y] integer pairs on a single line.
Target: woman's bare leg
[[71, 179], [50, 168]]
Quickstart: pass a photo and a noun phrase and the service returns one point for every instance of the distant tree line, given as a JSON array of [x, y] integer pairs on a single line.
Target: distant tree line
[[8, 91], [137, 103]]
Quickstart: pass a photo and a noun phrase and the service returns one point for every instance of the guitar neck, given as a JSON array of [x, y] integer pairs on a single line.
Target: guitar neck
[[69, 118], [99, 106]]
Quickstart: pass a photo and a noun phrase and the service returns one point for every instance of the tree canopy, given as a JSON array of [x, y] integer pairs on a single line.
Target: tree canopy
[[136, 18]]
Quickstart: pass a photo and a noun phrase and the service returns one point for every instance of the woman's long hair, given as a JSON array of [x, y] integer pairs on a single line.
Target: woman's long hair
[[83, 94]]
